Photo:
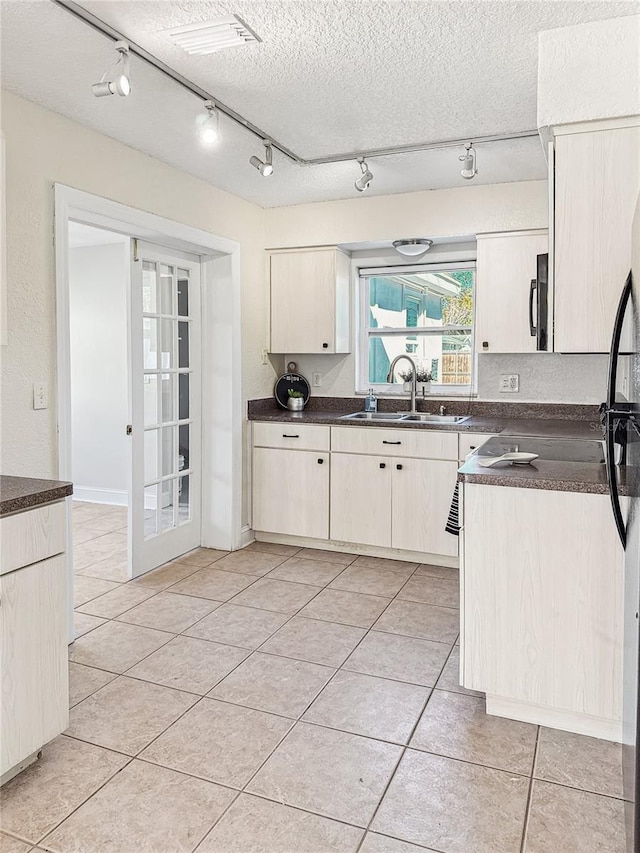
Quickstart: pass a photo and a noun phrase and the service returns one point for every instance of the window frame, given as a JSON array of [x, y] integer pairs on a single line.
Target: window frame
[[365, 332]]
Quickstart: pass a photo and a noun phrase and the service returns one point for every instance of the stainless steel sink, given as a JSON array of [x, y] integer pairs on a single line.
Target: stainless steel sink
[[436, 419], [405, 416], [373, 416]]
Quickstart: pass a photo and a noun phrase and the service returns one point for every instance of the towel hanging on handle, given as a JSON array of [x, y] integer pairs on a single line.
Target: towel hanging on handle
[[453, 521]]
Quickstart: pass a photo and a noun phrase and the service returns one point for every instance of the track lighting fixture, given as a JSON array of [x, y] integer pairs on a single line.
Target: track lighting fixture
[[116, 79], [265, 167], [365, 178], [209, 122], [413, 247], [468, 159]]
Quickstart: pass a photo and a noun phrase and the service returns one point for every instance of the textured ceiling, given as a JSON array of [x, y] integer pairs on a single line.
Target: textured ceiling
[[328, 77]]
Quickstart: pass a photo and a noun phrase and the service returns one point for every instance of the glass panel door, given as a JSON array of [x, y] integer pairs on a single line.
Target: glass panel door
[[165, 332]]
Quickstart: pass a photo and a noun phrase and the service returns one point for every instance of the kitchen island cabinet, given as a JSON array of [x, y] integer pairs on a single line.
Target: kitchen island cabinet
[[33, 621], [542, 606]]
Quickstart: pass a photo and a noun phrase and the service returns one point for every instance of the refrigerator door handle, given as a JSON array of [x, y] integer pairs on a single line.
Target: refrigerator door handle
[[615, 342], [612, 477], [532, 292]]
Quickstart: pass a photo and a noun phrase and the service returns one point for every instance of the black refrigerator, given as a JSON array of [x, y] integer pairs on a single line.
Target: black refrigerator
[[621, 421]]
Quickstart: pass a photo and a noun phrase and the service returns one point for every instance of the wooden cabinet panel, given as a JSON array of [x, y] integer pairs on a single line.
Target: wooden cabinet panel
[[420, 499], [542, 604], [291, 492], [361, 499], [33, 649], [27, 537], [505, 266], [309, 301], [291, 436], [597, 178], [426, 444]]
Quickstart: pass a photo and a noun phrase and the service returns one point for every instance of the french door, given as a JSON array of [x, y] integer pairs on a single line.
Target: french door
[[165, 496]]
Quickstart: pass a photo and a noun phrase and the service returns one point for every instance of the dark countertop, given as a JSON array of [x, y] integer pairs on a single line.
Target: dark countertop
[[20, 493], [546, 420], [551, 427], [588, 477]]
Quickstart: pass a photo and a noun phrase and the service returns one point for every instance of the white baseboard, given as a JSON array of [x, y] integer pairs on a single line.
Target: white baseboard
[[361, 550], [555, 718], [90, 494], [247, 536]]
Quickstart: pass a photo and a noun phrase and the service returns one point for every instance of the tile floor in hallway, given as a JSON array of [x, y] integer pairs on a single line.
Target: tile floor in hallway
[[284, 700]]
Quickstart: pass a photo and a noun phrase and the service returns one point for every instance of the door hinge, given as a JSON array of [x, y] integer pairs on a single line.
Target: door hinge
[[134, 248], [129, 429]]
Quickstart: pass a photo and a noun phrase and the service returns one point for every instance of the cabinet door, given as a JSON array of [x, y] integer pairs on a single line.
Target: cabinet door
[[543, 599], [361, 499], [597, 178], [33, 648], [421, 496], [506, 265], [291, 492], [303, 302]]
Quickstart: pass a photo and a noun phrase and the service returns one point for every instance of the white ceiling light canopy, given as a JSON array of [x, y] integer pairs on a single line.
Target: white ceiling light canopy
[[412, 247], [265, 167], [116, 80], [365, 178], [210, 36], [468, 160], [209, 122]]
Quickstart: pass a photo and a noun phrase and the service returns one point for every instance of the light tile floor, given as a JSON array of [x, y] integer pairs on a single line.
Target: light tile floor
[[284, 700]]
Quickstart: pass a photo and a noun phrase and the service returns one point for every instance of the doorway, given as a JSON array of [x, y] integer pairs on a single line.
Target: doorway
[[220, 468]]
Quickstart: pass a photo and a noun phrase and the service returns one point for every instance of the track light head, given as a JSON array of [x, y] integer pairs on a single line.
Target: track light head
[[116, 80], [265, 167], [468, 160], [365, 178], [209, 122]]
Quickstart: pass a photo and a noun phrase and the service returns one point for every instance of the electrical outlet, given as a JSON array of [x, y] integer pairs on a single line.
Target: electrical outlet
[[316, 380], [509, 382], [40, 400], [265, 356]]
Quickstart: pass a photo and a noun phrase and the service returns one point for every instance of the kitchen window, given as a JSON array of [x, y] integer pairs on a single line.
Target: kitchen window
[[424, 311]]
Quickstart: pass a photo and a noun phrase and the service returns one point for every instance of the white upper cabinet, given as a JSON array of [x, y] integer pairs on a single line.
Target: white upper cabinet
[[309, 301], [506, 266], [597, 178]]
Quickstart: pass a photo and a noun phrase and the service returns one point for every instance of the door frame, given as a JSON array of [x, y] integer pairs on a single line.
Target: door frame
[[221, 351]]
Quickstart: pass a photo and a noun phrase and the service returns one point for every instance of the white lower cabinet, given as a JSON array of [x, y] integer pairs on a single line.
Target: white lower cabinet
[[542, 607], [361, 499], [33, 640], [291, 492], [376, 487], [421, 491]]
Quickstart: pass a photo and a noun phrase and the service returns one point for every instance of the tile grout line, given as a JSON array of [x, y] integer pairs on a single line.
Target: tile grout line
[[527, 810]]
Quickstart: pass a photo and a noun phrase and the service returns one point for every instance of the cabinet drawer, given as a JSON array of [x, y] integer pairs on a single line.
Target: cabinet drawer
[[33, 535], [291, 436], [423, 444], [470, 441]]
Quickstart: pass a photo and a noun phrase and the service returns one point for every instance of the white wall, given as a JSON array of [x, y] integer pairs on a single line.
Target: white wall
[[43, 148], [99, 372], [589, 71]]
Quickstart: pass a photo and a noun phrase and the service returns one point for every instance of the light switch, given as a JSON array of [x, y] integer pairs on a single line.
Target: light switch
[[40, 396]]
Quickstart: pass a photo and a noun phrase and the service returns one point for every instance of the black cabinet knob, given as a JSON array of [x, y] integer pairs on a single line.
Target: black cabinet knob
[[325, 346], [383, 465], [320, 461], [485, 344], [398, 467]]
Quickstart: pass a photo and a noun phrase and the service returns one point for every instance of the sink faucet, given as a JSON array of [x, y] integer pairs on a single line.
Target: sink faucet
[[414, 378], [443, 411]]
